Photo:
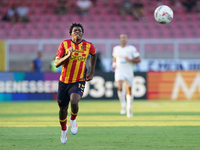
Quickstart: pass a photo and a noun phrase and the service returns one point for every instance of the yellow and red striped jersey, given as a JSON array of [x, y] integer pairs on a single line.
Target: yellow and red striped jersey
[[73, 70]]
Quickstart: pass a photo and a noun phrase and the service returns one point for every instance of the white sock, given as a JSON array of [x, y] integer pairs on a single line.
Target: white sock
[[122, 99], [129, 99]]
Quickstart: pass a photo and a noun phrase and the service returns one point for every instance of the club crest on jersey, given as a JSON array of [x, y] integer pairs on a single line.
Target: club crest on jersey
[[82, 47]]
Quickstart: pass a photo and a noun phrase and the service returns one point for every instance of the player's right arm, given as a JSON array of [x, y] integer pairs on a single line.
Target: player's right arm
[[61, 57], [114, 63], [114, 59]]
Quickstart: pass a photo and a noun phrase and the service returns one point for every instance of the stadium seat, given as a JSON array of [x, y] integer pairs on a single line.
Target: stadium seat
[[12, 34], [103, 15], [24, 34], [16, 49]]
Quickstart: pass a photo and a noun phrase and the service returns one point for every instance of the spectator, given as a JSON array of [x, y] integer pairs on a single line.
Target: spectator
[[37, 63], [126, 8], [198, 6], [94, 2], [22, 12], [83, 6], [175, 4], [62, 7], [138, 9], [189, 5], [159, 2], [11, 15]]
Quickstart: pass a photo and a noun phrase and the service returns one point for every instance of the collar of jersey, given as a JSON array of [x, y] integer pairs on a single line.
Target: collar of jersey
[[76, 43]]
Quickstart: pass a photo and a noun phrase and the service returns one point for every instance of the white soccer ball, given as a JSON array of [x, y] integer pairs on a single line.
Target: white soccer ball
[[163, 14]]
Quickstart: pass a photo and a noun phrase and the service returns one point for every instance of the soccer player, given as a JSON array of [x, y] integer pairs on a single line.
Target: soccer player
[[124, 56], [72, 55]]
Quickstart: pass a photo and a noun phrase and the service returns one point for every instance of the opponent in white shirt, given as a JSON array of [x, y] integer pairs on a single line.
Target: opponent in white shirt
[[124, 56]]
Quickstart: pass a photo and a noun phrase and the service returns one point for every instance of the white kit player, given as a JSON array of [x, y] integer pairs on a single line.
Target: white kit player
[[124, 56]]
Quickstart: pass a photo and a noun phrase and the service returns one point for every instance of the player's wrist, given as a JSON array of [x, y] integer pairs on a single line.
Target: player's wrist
[[114, 64]]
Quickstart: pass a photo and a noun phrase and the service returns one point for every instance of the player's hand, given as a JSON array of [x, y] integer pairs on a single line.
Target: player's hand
[[89, 76], [113, 67], [127, 59], [70, 51]]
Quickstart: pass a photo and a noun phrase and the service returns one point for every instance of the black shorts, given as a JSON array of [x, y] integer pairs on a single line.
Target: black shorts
[[65, 90]]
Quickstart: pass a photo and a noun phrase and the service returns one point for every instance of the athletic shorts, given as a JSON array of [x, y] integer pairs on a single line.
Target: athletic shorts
[[128, 78], [65, 90]]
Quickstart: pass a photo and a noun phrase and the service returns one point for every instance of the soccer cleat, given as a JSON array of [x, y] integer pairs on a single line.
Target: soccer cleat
[[63, 137], [129, 113], [74, 127], [123, 111]]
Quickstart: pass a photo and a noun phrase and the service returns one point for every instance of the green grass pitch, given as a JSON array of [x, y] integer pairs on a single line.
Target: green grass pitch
[[161, 125]]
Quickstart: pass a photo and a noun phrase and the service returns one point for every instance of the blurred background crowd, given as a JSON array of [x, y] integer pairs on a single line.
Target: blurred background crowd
[[102, 19], [48, 19]]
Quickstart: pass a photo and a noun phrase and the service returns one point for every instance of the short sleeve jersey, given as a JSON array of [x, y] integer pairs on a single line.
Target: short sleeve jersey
[[73, 70], [120, 53]]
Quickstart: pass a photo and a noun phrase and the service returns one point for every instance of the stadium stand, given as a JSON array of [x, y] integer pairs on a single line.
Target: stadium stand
[[102, 22], [104, 15]]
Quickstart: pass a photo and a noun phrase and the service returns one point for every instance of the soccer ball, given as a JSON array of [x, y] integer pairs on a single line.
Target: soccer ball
[[163, 14]]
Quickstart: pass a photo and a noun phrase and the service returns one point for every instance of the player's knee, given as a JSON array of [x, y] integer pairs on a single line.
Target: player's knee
[[63, 109], [75, 98], [119, 89], [74, 101]]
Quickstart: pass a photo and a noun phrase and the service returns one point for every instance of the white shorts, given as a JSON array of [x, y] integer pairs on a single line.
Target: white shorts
[[127, 77]]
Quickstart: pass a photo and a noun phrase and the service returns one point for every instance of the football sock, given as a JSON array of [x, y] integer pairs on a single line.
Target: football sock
[[122, 99], [63, 124], [73, 115], [129, 101]]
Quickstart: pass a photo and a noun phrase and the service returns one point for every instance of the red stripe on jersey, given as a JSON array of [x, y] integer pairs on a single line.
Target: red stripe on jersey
[[65, 70], [68, 43], [67, 62], [79, 71], [84, 44], [72, 71], [76, 46]]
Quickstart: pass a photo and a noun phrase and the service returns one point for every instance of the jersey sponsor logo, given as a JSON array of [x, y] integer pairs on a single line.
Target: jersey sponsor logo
[[79, 58], [77, 51]]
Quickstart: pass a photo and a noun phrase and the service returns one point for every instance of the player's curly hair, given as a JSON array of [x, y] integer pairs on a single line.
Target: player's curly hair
[[75, 25]]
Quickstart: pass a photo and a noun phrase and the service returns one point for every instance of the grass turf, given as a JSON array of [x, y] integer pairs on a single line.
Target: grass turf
[[155, 125]]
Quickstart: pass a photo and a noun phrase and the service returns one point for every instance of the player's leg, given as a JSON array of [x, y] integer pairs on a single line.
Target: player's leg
[[74, 98], [129, 99], [63, 102], [63, 123], [129, 95], [121, 96], [63, 117], [76, 93]]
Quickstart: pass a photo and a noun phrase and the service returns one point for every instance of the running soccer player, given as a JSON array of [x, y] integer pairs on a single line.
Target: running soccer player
[[124, 56], [72, 55]]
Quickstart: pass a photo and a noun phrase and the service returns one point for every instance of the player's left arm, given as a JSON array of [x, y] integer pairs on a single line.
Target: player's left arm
[[134, 61], [135, 56], [93, 59]]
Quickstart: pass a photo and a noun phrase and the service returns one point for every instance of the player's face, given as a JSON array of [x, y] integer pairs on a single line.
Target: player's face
[[77, 33], [123, 39]]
